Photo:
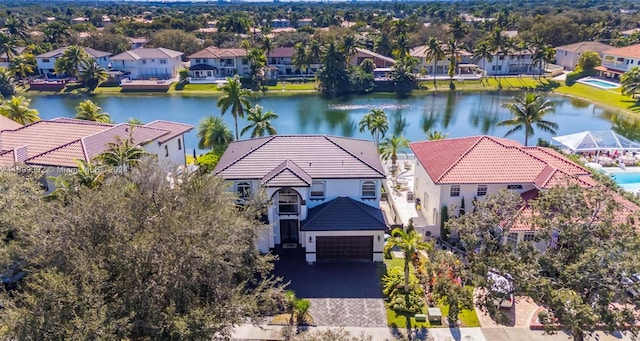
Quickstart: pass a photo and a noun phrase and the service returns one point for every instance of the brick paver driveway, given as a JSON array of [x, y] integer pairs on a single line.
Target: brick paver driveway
[[341, 294]]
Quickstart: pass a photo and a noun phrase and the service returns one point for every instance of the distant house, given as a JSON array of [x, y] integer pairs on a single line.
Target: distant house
[[324, 193], [280, 23], [213, 64], [305, 22], [567, 56], [79, 20], [452, 171], [137, 43], [513, 62], [148, 63], [619, 60], [425, 66], [630, 32], [380, 60], [57, 144], [46, 61], [4, 59]]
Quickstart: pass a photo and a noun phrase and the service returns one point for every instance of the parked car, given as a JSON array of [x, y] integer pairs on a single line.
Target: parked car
[[502, 289], [632, 284]]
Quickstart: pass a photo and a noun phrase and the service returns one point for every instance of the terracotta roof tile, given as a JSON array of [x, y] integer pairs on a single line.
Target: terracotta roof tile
[[174, 129], [585, 46], [8, 124], [319, 156], [632, 51], [213, 52]]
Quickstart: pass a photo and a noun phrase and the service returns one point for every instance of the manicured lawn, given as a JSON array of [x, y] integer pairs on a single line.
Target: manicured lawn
[[198, 88], [311, 86], [488, 84], [468, 317], [610, 98], [107, 90]]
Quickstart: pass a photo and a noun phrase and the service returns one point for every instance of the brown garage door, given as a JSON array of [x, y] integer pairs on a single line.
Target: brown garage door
[[344, 248]]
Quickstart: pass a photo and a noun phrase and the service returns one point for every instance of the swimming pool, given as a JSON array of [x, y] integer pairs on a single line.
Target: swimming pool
[[598, 83], [629, 180]]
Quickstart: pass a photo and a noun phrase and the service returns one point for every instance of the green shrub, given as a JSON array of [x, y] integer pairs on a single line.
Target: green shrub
[[184, 73], [207, 162]]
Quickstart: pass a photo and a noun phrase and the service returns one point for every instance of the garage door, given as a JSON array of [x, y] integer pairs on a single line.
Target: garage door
[[344, 248]]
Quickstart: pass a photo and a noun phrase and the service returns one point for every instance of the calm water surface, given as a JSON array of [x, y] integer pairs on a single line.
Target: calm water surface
[[458, 114]]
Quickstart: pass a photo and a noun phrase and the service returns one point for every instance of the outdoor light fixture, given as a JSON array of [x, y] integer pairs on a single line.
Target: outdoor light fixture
[[310, 239], [378, 238]]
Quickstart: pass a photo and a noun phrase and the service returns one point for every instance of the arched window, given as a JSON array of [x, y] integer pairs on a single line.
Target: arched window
[[369, 189], [244, 190], [288, 201]]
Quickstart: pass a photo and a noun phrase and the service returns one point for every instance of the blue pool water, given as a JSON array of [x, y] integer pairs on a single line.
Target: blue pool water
[[600, 84], [622, 178]]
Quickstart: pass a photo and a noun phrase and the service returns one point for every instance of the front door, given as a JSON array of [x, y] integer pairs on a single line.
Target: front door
[[288, 231]]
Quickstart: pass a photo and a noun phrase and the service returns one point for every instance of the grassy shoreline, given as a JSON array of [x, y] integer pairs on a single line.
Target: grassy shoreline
[[610, 100]]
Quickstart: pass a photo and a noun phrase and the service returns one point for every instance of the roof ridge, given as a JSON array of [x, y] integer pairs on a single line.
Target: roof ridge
[[268, 139], [329, 138], [326, 205], [455, 163], [286, 167], [564, 160], [363, 207], [55, 149]]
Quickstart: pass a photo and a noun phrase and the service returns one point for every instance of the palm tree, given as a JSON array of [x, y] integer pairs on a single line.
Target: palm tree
[[88, 174], [348, 48], [410, 242], [454, 50], [630, 81], [434, 135], [375, 122], [124, 152], [498, 43], [267, 46], [70, 61], [529, 110], [434, 54], [390, 147], [16, 27], [213, 133], [7, 46], [383, 44], [91, 74], [89, 111], [315, 51], [402, 47], [483, 51], [7, 83], [260, 122], [17, 109], [458, 29], [235, 97], [135, 121], [23, 65], [301, 59]]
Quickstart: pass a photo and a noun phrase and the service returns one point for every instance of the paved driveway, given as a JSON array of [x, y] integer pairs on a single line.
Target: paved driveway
[[341, 294]]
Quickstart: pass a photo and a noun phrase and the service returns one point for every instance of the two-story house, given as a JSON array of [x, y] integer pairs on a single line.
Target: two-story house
[[567, 56], [620, 60], [148, 63], [379, 60], [323, 193], [454, 173], [57, 144], [46, 62], [280, 23], [213, 64], [511, 62], [441, 67], [5, 60]]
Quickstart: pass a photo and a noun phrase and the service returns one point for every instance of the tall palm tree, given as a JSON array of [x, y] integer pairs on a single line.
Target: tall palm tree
[[268, 44], [7, 83], [630, 81], [315, 51], [483, 51], [458, 29], [348, 48], [383, 44], [23, 65], [454, 54], [301, 59], [260, 122], [376, 123], [434, 135], [135, 121], [16, 27], [213, 133], [70, 61], [8, 46], [402, 47], [234, 97], [498, 43], [529, 110], [410, 242], [390, 147], [434, 54], [124, 152], [92, 74], [89, 111], [17, 109]]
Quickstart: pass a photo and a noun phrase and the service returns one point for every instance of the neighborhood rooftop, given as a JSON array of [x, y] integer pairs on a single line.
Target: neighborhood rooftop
[[585, 46], [147, 53], [59, 51]]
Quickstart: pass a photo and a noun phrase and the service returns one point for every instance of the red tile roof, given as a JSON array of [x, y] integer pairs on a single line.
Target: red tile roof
[[319, 156], [486, 160], [213, 52], [632, 51]]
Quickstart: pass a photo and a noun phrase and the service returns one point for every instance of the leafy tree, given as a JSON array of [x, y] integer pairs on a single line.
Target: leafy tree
[[368, 65], [403, 76], [589, 60], [360, 81], [7, 83], [56, 32], [529, 110], [260, 122], [196, 271], [17, 109], [449, 282], [410, 242], [112, 42], [376, 123], [234, 23], [390, 147], [630, 81], [434, 54], [70, 60], [92, 74], [234, 98], [213, 133], [177, 40], [331, 334], [90, 111]]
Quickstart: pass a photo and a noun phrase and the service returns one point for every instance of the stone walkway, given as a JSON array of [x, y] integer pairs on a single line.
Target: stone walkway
[[348, 312]]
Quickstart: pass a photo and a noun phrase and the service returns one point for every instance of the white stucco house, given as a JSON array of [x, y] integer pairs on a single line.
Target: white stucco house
[[148, 63], [617, 61], [214, 64], [46, 62], [57, 144], [567, 56], [464, 64], [452, 171], [510, 63], [324, 193]]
